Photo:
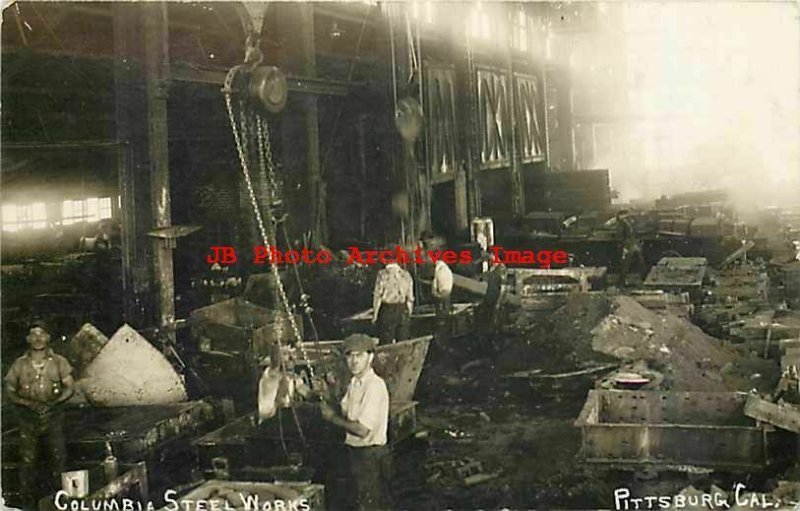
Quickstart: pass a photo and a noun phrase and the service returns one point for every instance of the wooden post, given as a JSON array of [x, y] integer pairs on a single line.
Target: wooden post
[[308, 68], [156, 66], [468, 98], [130, 105], [517, 190]]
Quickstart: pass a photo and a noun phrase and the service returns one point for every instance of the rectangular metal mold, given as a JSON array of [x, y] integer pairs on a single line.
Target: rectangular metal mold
[[707, 429]]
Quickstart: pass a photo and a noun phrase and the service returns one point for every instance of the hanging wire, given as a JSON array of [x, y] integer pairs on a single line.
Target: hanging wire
[[353, 63]]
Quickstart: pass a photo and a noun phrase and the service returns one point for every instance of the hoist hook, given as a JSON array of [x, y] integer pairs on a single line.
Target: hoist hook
[[264, 85]]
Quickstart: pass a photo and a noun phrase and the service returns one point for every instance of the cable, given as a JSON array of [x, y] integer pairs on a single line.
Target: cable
[[349, 77]]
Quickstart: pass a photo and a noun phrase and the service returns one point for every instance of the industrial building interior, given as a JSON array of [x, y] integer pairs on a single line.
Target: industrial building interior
[[190, 191]]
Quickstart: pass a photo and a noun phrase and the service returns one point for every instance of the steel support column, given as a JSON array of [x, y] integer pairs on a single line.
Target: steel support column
[[156, 66], [130, 104]]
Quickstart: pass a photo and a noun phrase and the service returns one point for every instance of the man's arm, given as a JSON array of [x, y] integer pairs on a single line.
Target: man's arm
[[67, 390], [435, 290], [377, 293], [14, 397], [352, 427], [448, 281], [410, 293]]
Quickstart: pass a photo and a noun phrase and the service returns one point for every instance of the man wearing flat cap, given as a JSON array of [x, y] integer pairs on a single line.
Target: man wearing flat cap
[[364, 417]]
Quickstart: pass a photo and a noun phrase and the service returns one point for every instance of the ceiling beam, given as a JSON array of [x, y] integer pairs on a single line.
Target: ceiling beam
[[299, 84]]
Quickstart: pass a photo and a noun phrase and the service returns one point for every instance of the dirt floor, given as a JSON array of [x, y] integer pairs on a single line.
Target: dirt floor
[[496, 442]]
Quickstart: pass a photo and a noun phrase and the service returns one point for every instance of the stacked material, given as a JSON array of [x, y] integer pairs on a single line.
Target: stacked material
[[688, 358], [594, 329]]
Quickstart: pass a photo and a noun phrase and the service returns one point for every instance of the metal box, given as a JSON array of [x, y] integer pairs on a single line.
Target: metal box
[[423, 321], [238, 327], [668, 429], [231, 340], [678, 274]]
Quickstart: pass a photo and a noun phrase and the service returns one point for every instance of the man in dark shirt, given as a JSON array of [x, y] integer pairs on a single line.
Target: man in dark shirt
[[37, 383], [491, 303]]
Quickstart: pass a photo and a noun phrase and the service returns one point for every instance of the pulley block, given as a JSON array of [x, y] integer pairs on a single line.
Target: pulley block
[[268, 88]]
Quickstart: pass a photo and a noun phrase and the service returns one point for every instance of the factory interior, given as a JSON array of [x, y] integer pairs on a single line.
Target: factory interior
[[595, 208]]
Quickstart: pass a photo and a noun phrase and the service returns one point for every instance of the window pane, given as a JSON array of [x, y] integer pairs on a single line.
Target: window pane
[[39, 212], [104, 207], [9, 213]]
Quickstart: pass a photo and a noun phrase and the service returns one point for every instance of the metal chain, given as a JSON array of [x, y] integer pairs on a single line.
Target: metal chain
[[240, 148], [265, 153], [268, 240], [268, 168], [263, 133]]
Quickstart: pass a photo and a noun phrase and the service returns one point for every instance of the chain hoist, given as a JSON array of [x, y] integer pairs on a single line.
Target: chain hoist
[[265, 86]]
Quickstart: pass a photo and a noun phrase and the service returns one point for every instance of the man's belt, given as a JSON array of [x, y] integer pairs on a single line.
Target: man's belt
[[384, 446]]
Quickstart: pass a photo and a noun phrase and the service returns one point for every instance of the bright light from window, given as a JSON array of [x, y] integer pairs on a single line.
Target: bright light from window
[[521, 24], [88, 210], [738, 88], [480, 23], [24, 216], [422, 11]]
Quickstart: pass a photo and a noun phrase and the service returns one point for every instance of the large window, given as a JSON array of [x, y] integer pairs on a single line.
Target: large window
[[24, 216], [441, 119], [87, 210], [480, 25], [522, 31], [494, 124], [422, 11]]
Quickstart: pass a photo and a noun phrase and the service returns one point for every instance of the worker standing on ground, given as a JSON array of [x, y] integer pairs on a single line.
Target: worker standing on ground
[[38, 382], [392, 303], [631, 250], [489, 308], [441, 289], [365, 418], [762, 286]]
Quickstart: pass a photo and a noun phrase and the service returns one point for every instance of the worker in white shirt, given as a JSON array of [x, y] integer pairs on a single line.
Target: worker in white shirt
[[393, 303], [441, 288], [364, 416]]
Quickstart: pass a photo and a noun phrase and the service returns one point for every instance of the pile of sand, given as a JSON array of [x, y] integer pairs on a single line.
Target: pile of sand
[[688, 358], [592, 329]]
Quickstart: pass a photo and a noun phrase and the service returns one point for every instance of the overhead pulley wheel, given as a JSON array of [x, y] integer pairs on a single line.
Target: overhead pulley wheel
[[268, 88]]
